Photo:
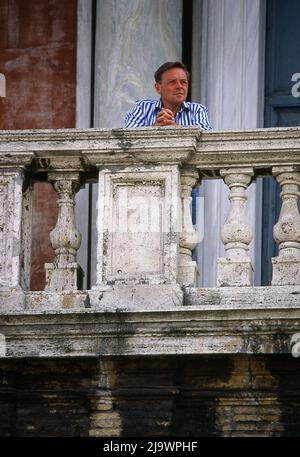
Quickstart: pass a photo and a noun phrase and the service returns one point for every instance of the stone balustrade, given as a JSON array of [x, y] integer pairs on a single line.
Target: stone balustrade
[[145, 271]]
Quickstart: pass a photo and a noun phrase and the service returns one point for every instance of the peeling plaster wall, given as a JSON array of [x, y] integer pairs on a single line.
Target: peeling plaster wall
[[38, 60], [37, 44]]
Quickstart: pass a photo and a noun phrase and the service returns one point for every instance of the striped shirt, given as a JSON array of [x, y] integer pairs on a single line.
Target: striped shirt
[[144, 114]]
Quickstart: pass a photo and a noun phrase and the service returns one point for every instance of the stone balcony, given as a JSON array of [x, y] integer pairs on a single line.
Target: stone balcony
[[145, 301]]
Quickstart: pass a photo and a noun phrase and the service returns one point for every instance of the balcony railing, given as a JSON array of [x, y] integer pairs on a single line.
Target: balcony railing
[[145, 300]]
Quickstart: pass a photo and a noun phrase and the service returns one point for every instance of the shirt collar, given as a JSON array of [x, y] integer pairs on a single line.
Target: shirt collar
[[184, 106]]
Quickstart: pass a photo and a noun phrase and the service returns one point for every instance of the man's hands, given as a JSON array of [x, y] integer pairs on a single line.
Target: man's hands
[[165, 117]]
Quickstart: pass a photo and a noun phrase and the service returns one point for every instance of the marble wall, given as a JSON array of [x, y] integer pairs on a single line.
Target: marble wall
[[133, 38]]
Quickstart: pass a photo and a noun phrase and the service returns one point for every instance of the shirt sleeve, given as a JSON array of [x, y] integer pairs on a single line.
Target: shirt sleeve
[[201, 118], [135, 117]]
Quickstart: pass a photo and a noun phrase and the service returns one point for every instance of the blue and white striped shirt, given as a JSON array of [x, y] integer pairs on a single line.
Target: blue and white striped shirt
[[144, 113]]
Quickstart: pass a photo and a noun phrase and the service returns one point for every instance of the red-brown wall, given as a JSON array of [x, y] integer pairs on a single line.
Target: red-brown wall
[[38, 60]]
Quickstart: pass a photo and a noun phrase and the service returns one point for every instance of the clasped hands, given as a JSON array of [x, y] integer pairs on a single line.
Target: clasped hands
[[165, 117]]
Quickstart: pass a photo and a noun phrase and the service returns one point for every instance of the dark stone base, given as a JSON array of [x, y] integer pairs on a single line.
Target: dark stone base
[[161, 396]]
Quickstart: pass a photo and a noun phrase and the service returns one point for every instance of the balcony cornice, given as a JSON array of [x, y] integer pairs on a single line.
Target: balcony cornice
[[206, 327], [260, 149], [208, 151], [144, 301], [104, 147], [16, 159]]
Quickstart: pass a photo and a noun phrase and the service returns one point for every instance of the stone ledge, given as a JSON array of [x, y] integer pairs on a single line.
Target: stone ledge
[[205, 326], [145, 297], [243, 297], [259, 148]]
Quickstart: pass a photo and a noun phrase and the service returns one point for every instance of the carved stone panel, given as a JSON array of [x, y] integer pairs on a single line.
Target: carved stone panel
[[10, 227], [137, 225], [137, 222]]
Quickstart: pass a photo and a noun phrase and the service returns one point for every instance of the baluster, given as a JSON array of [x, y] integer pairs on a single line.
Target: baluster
[[286, 267], [235, 269], [295, 345], [188, 236], [63, 273]]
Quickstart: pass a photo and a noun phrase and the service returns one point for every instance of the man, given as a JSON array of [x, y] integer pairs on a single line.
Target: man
[[171, 83]]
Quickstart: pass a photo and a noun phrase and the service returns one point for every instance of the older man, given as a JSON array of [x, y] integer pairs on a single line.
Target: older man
[[171, 83]]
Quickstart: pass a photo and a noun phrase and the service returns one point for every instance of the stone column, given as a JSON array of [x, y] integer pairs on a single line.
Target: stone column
[[62, 274], [286, 267], [187, 268], [235, 269]]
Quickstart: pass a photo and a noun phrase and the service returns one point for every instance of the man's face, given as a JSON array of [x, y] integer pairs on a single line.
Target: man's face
[[173, 87]]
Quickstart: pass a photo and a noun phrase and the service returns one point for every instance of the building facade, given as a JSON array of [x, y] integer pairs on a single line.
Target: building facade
[[175, 358]]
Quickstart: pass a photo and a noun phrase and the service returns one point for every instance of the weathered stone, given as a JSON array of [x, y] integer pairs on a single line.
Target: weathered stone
[[63, 273], [161, 396], [295, 345], [260, 149], [138, 307], [286, 267], [187, 268], [42, 302], [137, 225], [213, 321], [62, 276], [11, 299], [235, 269], [11, 213], [233, 272], [26, 238], [10, 228], [286, 270], [136, 297]]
